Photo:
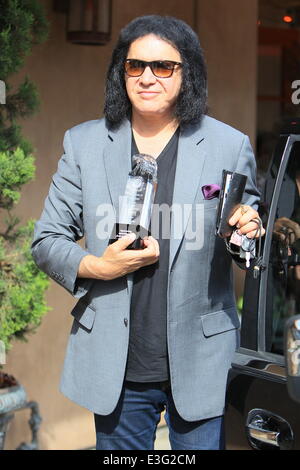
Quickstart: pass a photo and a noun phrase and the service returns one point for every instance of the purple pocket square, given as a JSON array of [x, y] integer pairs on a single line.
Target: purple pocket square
[[210, 191]]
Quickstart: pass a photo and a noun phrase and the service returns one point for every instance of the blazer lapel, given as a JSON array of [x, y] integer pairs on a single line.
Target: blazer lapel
[[190, 161], [117, 161]]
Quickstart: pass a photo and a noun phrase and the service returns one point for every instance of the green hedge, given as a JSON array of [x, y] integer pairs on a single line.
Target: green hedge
[[22, 286]]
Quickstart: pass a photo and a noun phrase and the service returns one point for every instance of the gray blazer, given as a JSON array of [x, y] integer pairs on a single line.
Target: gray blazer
[[202, 322]]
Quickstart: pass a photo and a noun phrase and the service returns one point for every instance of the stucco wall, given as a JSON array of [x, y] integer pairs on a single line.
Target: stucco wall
[[228, 33], [71, 81]]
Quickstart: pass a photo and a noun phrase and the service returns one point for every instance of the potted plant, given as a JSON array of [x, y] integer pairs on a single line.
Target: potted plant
[[22, 285]]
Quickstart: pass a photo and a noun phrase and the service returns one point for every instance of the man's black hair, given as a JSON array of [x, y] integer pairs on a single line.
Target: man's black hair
[[192, 100]]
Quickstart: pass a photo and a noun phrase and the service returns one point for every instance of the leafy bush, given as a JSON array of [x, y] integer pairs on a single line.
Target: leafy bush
[[22, 285]]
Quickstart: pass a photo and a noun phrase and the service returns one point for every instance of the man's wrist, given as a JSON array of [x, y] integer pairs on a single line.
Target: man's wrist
[[91, 267]]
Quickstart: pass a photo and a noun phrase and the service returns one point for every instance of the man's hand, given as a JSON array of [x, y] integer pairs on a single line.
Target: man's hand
[[242, 219], [117, 261]]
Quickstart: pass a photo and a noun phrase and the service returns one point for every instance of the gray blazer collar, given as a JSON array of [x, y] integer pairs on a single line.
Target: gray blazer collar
[[117, 161], [190, 161]]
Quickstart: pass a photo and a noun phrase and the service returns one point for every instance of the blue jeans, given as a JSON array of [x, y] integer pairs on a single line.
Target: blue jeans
[[132, 425]]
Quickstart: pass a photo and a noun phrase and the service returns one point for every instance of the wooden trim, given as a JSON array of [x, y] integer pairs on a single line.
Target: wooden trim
[[278, 36], [279, 99]]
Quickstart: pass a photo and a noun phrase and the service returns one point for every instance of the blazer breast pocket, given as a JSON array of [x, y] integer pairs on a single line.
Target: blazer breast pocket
[[85, 314], [206, 203], [210, 204]]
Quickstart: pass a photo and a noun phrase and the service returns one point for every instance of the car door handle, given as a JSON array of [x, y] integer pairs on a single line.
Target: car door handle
[[265, 430], [263, 435]]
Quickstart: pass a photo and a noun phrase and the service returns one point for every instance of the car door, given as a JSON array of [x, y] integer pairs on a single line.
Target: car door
[[259, 411]]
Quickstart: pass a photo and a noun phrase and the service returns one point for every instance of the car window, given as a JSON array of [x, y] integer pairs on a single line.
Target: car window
[[283, 283]]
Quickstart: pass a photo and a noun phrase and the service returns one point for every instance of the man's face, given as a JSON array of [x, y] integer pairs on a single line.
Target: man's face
[[150, 95]]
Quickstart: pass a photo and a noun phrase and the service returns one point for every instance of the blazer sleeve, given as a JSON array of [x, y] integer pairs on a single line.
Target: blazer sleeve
[[246, 164], [60, 226]]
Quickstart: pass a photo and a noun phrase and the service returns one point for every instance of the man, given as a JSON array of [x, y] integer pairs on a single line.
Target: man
[[154, 328]]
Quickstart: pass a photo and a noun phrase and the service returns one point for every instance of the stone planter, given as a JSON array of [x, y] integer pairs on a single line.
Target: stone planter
[[12, 399]]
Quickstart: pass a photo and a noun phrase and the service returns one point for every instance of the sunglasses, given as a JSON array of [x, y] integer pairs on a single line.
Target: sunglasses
[[159, 68]]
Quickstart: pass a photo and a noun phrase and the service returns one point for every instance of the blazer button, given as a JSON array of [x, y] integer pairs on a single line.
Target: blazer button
[[126, 322]]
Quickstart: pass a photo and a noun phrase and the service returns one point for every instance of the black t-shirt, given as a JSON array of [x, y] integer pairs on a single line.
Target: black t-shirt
[[148, 353]]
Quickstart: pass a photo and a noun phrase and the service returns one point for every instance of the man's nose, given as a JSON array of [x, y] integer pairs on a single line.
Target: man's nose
[[147, 76]]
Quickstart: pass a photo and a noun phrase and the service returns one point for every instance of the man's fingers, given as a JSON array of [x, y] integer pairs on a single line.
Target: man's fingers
[[133, 259], [252, 234], [242, 216], [247, 230], [235, 217], [249, 227], [242, 220], [124, 242], [151, 244]]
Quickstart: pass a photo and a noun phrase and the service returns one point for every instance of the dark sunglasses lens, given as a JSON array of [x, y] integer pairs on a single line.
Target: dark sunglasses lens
[[163, 69], [134, 68]]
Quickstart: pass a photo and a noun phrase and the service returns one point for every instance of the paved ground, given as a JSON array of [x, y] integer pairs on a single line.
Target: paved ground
[[162, 439]]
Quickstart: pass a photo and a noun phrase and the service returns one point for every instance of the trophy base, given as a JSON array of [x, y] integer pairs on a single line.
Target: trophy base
[[121, 230]]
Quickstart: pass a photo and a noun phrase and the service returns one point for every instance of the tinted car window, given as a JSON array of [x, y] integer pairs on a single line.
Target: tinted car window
[[283, 287]]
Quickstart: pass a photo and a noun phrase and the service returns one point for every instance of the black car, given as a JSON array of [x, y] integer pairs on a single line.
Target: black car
[[263, 392]]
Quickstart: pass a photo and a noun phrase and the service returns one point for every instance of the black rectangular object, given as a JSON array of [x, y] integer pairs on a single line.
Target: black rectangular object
[[231, 195]]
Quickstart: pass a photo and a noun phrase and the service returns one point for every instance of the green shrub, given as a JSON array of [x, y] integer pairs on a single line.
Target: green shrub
[[22, 285]]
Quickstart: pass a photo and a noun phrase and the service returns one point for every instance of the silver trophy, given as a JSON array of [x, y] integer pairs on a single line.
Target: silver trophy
[[137, 203]]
